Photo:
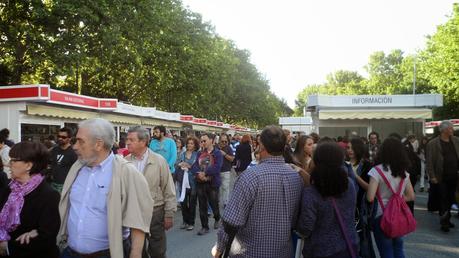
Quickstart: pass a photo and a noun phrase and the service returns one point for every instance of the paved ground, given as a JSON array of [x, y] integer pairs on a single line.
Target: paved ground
[[427, 242]]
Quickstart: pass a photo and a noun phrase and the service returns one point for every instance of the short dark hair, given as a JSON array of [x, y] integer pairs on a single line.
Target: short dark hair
[[395, 136], [34, 152], [5, 132], [161, 128], [373, 133], [209, 135], [393, 154], [273, 139], [328, 175], [359, 149], [325, 139], [2, 138], [67, 130]]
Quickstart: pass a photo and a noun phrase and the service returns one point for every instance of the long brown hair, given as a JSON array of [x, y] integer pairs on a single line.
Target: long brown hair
[[299, 153]]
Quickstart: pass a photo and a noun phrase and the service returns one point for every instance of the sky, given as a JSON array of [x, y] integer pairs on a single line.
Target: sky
[[295, 43]]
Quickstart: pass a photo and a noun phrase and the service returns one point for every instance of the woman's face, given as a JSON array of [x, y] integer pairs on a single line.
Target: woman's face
[[179, 144], [309, 146], [190, 145], [19, 169], [350, 151]]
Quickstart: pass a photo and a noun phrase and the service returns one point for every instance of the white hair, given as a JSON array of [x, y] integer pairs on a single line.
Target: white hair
[[445, 125], [100, 129]]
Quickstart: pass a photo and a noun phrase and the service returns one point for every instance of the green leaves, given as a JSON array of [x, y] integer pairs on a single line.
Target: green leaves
[[437, 71], [148, 52]]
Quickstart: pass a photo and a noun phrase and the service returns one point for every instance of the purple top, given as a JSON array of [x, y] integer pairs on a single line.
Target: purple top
[[320, 226]]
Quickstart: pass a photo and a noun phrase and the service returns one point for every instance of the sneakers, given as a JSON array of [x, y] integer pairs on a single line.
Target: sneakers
[[217, 224], [189, 227], [203, 231], [184, 226]]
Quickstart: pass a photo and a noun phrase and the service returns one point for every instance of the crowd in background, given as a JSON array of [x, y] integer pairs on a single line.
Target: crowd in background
[[332, 192]]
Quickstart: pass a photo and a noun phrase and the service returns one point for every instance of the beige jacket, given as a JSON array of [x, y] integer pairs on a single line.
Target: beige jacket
[[128, 203], [160, 182]]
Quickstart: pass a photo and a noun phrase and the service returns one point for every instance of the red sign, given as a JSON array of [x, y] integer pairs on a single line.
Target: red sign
[[43, 92], [186, 118], [26, 92], [73, 99], [432, 124], [219, 124], [200, 120], [455, 121], [108, 103], [210, 122]]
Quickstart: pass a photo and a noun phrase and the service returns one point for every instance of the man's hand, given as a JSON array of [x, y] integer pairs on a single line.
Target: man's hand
[[168, 223], [214, 252], [26, 237], [434, 181], [201, 176]]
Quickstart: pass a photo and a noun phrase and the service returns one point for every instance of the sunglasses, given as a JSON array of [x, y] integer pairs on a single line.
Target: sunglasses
[[224, 141], [203, 141]]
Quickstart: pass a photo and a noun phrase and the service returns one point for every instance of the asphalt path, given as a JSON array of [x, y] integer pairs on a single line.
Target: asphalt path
[[426, 242]]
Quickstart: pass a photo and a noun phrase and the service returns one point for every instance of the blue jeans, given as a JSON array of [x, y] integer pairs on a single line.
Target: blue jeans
[[387, 247], [67, 254]]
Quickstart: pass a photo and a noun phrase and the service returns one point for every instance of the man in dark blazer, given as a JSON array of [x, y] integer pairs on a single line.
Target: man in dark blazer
[[442, 165]]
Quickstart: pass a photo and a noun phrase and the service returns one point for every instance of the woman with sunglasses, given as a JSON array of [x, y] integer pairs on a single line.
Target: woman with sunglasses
[[29, 216]]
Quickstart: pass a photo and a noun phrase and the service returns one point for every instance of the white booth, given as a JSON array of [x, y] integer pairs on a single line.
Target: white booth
[[33, 112], [297, 124], [335, 116]]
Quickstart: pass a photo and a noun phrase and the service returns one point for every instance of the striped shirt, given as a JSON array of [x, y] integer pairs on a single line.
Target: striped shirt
[[264, 206]]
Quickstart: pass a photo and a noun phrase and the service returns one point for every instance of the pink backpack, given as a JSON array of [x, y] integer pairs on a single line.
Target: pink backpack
[[397, 219]]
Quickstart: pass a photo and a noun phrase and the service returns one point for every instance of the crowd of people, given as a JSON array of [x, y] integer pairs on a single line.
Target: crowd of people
[[271, 195]]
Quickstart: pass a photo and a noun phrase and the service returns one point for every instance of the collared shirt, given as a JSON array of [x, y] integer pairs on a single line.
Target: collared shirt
[[270, 186], [88, 222], [141, 162]]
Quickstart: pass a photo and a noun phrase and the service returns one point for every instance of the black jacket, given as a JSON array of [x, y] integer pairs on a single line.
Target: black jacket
[[40, 212]]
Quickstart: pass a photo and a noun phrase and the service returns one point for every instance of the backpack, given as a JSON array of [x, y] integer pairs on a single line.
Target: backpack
[[397, 219]]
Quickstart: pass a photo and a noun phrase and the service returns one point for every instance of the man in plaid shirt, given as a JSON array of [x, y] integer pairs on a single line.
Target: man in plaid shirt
[[263, 206]]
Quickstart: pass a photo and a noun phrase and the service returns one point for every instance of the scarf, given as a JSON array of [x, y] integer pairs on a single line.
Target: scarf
[[10, 214]]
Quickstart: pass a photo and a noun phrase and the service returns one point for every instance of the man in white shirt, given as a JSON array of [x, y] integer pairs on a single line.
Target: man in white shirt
[[156, 170], [103, 203]]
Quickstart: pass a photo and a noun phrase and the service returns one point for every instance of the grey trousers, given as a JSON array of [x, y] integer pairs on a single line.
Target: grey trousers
[[156, 242]]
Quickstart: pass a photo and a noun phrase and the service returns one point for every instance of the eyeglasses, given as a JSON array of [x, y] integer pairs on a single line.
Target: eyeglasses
[[203, 141], [62, 137], [15, 160], [224, 141]]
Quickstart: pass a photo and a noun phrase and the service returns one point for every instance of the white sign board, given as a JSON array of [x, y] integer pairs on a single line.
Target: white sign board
[[379, 101]]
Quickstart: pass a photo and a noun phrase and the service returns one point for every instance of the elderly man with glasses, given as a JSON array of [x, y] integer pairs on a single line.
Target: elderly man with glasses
[[106, 206]]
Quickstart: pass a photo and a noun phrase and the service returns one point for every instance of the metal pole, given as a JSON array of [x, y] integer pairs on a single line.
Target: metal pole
[[414, 75]]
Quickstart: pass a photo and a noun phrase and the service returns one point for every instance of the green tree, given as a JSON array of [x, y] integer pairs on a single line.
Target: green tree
[[440, 64]]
